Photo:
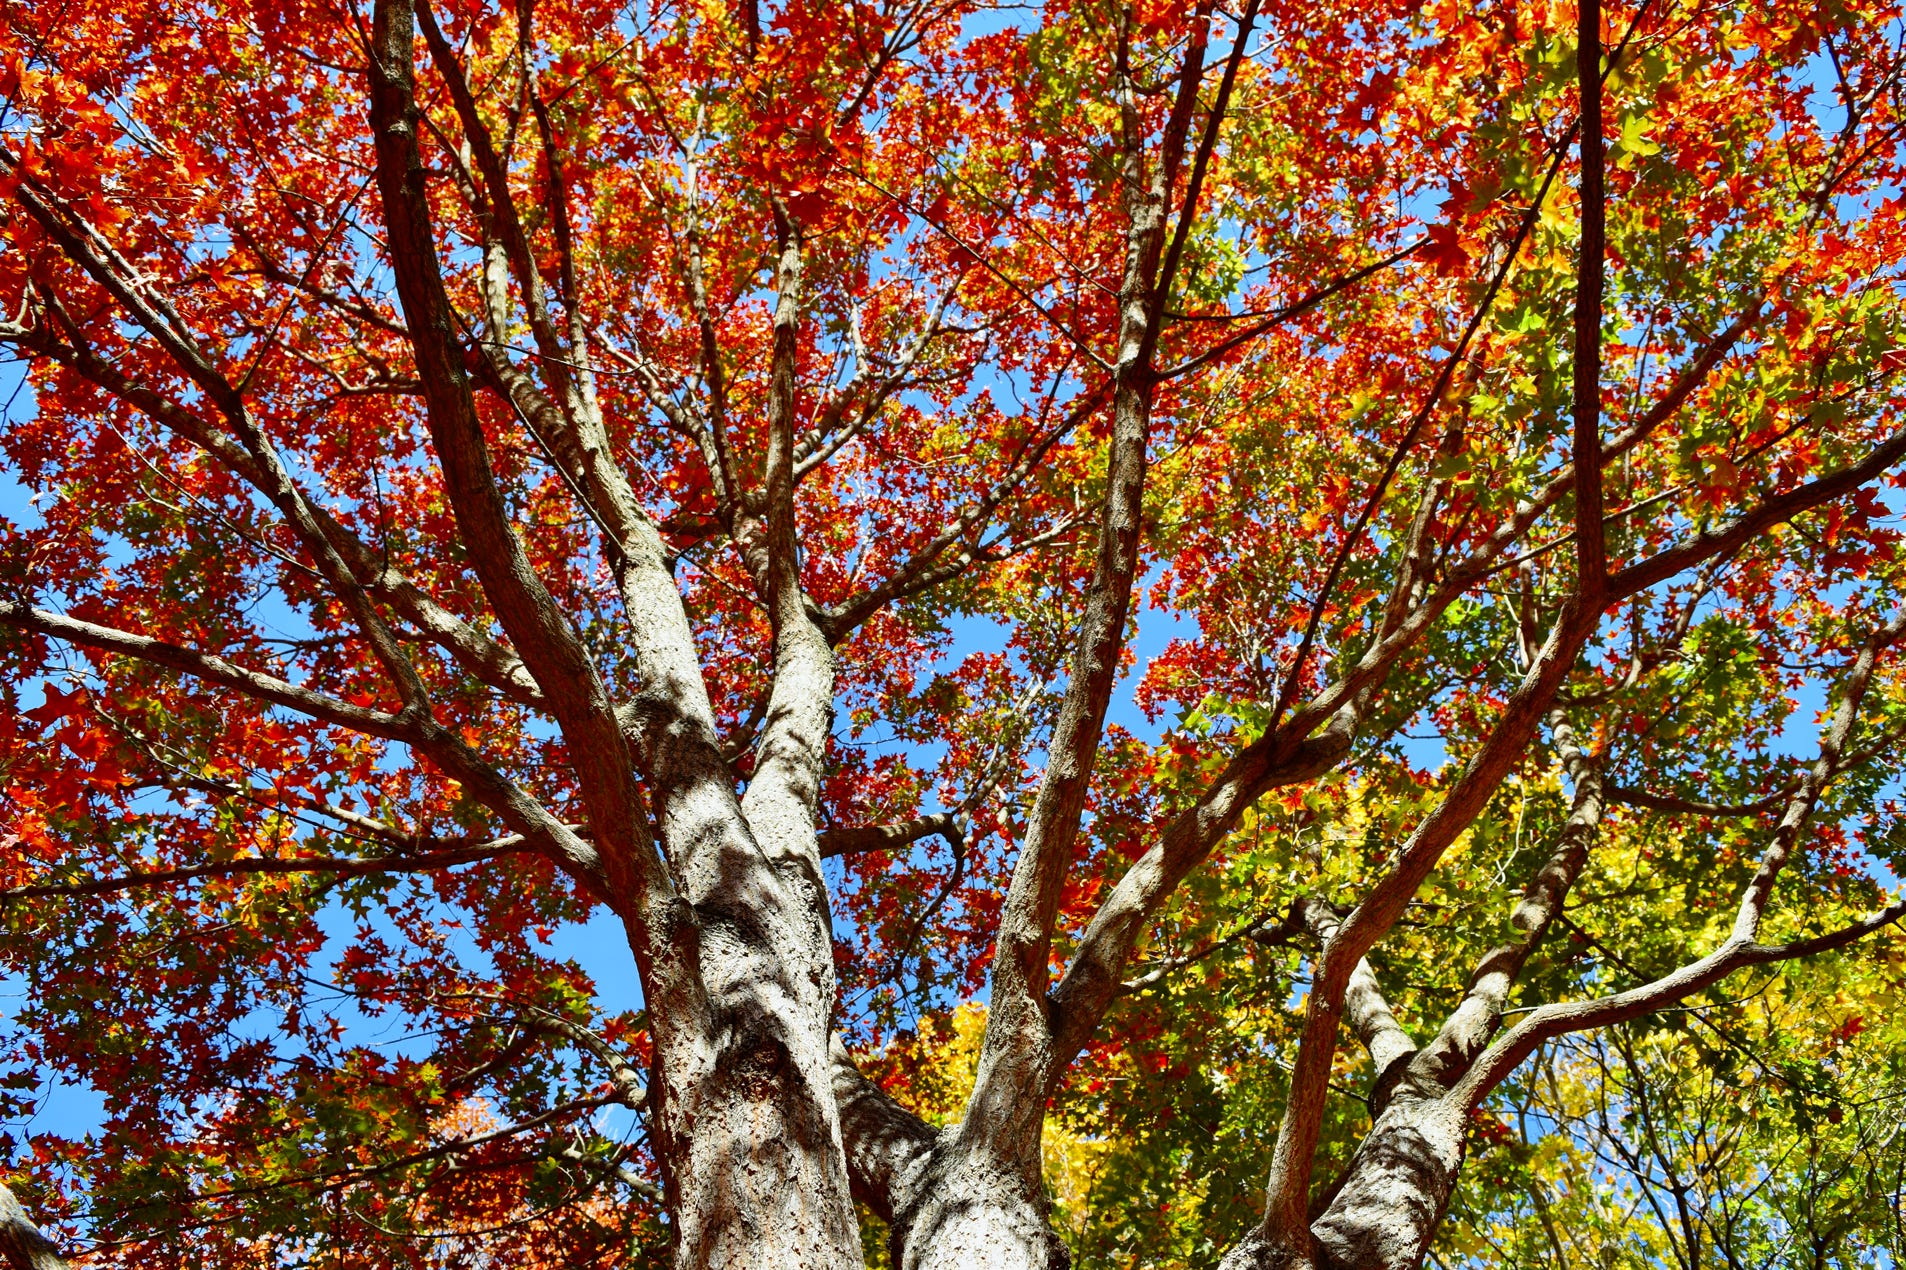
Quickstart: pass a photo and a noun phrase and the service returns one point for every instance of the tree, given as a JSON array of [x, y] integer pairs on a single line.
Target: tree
[[499, 465]]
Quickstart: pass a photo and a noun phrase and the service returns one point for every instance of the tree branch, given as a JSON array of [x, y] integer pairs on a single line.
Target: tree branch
[[1468, 1029], [863, 838], [545, 639], [212, 669], [337, 866], [21, 1242], [1005, 1114], [1591, 554], [1739, 948]]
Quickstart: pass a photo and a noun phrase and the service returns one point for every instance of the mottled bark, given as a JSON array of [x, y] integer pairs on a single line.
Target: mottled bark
[[21, 1243], [1393, 1198], [968, 1211], [1396, 1191], [731, 939], [947, 1205]]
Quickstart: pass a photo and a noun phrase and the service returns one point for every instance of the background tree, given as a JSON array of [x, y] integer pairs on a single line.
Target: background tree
[[701, 467]]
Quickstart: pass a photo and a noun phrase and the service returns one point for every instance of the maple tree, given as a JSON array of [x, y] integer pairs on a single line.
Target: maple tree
[[699, 467]]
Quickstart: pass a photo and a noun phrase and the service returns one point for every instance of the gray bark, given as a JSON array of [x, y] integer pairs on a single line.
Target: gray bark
[[947, 1205], [1386, 1212], [760, 1130], [731, 939], [21, 1242], [1392, 1200], [967, 1211]]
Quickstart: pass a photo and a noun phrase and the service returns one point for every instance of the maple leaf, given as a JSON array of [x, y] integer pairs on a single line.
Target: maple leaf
[[1446, 249], [58, 705]]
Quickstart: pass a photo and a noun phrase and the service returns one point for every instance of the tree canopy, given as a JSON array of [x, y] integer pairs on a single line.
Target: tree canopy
[[1171, 634]]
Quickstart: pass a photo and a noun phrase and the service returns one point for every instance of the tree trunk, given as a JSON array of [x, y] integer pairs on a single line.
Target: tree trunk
[[1397, 1189], [948, 1203], [1258, 1253], [951, 1210], [746, 1125], [754, 1161], [968, 1212], [1386, 1212], [733, 944]]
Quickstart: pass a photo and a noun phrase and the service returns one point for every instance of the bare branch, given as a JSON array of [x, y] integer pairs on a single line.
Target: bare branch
[[826, 437], [335, 866], [616, 1169], [499, 209], [89, 249], [860, 839], [1286, 313]]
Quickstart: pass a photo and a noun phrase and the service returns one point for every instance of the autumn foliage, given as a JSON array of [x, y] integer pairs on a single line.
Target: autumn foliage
[[1197, 584]]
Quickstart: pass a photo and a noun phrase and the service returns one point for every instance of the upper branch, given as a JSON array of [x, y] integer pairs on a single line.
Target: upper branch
[[930, 566], [212, 669], [1015, 1052], [1739, 948], [783, 797], [540, 631], [1469, 1027], [1591, 554]]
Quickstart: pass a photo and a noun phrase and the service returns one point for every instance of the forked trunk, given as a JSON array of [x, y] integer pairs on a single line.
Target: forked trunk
[[1386, 1213], [755, 1163], [746, 1125], [1259, 1253], [968, 1213], [952, 1210]]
